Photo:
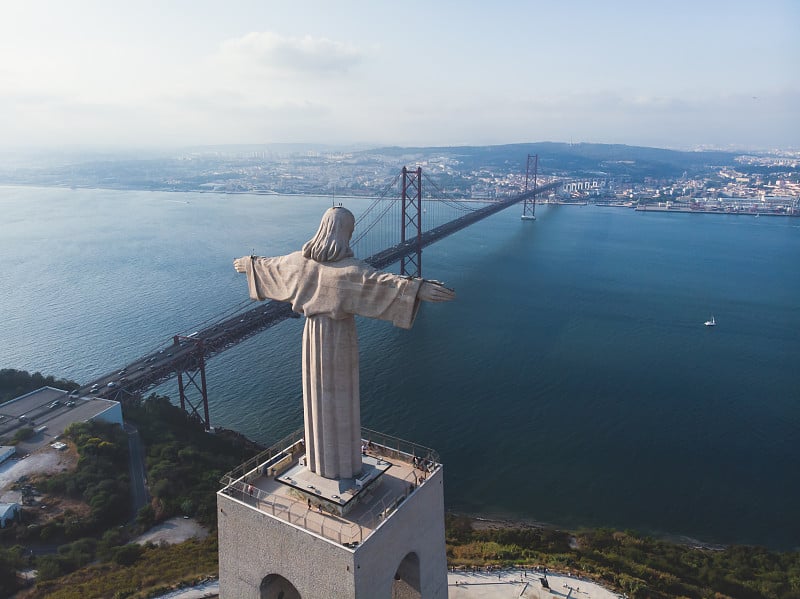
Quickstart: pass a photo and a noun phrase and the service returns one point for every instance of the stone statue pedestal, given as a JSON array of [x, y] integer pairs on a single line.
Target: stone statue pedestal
[[335, 496], [284, 529]]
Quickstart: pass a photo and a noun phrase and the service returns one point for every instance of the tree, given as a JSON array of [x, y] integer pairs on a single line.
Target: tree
[[14, 383], [146, 516], [10, 561], [22, 434], [49, 567], [128, 554]]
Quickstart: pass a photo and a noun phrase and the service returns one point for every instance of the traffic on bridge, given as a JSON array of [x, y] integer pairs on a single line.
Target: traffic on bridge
[[186, 355]]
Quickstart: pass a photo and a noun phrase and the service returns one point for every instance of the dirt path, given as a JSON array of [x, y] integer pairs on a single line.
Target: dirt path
[[45, 461], [174, 530]]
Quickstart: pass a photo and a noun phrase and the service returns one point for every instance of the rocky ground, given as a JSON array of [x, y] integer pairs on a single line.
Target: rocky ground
[[174, 530], [45, 461]]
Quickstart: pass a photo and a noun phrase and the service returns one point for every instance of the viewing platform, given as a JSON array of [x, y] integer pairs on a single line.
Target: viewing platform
[[346, 511]]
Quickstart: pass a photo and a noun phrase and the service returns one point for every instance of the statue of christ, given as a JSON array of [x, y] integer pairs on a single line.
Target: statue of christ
[[325, 283]]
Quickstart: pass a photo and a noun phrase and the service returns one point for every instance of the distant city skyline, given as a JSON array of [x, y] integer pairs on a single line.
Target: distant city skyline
[[155, 74]]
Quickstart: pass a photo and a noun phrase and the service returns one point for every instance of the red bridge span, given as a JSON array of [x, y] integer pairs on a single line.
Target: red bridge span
[[421, 225]]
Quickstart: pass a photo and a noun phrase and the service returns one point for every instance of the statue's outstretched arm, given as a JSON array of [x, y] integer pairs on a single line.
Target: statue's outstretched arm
[[240, 264], [434, 291]]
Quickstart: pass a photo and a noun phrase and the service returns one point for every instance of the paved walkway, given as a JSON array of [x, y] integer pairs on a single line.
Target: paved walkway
[[503, 584], [519, 584], [203, 591]]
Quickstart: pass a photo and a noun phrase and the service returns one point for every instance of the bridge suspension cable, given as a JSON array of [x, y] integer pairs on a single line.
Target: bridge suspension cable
[[443, 198], [241, 321], [377, 201]]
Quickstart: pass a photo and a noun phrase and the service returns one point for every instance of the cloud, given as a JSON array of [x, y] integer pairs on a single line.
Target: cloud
[[608, 117], [282, 54]]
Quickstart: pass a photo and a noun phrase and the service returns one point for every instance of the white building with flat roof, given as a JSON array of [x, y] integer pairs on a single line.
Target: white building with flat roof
[[6, 451], [49, 411], [8, 512]]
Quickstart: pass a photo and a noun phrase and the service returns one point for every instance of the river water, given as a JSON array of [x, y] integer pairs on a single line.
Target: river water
[[572, 382]]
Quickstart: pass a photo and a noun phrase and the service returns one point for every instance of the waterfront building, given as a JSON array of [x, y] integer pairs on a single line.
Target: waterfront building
[[49, 411]]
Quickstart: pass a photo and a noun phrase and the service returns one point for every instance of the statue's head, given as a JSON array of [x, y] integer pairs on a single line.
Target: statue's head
[[332, 240]]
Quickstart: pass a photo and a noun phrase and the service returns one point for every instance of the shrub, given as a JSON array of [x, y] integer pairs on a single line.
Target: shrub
[[22, 434], [127, 555]]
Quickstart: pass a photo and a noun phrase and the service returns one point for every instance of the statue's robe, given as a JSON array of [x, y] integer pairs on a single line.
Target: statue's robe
[[329, 294]]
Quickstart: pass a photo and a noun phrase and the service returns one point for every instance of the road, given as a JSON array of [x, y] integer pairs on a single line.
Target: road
[[139, 495]]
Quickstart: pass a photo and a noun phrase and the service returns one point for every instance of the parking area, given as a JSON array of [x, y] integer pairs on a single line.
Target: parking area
[[48, 412]]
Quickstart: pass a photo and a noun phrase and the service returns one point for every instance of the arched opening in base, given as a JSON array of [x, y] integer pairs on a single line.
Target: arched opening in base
[[276, 586], [406, 579]]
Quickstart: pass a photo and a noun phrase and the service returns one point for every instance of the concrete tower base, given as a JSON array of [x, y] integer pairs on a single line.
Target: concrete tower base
[[276, 543]]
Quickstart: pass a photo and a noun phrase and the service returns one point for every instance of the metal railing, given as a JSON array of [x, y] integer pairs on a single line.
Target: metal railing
[[237, 484], [399, 448], [265, 456], [297, 512]]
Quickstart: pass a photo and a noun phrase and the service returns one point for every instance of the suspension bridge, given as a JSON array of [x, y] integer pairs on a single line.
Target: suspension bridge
[[392, 230]]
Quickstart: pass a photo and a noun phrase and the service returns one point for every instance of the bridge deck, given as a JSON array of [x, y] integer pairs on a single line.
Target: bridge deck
[[153, 369]]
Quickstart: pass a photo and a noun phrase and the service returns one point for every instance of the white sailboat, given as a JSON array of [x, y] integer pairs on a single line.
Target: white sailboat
[[711, 323]]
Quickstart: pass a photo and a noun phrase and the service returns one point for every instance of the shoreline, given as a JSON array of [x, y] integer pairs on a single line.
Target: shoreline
[[163, 190], [493, 523], [682, 210], [486, 522], [322, 194]]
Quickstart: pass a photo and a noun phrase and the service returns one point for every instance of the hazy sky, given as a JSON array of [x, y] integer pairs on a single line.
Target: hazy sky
[[140, 73]]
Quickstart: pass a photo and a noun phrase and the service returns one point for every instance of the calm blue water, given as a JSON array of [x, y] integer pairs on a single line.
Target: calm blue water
[[572, 382]]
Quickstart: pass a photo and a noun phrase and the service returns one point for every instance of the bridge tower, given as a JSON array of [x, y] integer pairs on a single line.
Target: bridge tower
[[529, 203], [194, 367], [411, 231]]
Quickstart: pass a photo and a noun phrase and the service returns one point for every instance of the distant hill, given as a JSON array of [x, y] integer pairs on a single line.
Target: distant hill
[[310, 168], [583, 159]]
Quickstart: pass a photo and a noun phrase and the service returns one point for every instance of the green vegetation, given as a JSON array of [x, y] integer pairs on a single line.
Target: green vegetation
[[639, 566], [22, 434], [11, 560], [184, 462], [101, 479], [14, 383], [184, 465], [137, 572]]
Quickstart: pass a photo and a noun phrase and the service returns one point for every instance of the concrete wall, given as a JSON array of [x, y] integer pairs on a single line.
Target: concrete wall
[[6, 451], [253, 545], [416, 526], [112, 414], [8, 512]]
